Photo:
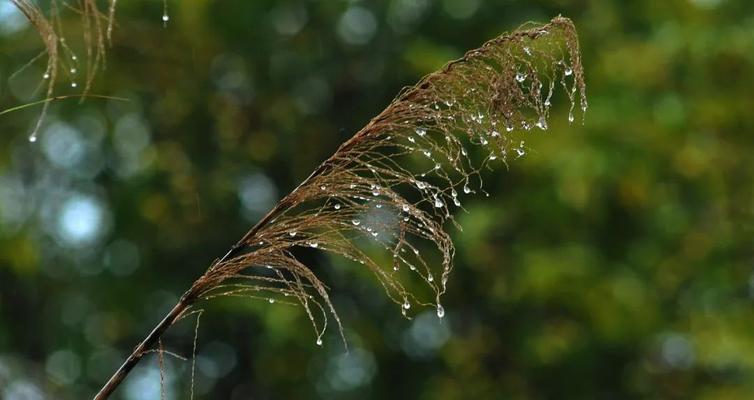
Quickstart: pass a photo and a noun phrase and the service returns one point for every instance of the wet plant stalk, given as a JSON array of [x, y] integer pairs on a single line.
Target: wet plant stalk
[[142, 348]]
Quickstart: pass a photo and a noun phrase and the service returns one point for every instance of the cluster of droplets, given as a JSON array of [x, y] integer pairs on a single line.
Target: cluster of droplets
[[71, 62], [380, 194]]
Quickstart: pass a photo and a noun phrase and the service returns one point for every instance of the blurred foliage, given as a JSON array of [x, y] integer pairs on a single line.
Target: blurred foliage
[[614, 261]]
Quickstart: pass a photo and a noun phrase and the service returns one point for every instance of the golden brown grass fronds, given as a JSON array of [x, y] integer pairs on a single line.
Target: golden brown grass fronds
[[396, 183]]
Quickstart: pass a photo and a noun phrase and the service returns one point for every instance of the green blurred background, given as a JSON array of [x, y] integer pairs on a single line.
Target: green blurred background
[[616, 260]]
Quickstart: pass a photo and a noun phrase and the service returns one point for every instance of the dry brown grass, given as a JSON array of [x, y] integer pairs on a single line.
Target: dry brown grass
[[398, 181]]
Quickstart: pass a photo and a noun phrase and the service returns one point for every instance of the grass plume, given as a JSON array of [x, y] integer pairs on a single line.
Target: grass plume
[[61, 60], [399, 179]]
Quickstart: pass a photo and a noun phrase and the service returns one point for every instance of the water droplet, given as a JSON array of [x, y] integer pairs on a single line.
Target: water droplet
[[456, 201], [495, 134], [570, 116], [440, 311], [271, 300], [165, 18], [314, 245], [527, 50], [74, 58], [352, 186], [337, 206], [568, 71], [292, 234], [355, 222], [319, 342], [405, 219], [463, 151], [411, 139], [375, 233], [375, 192], [421, 131], [547, 103], [73, 70], [405, 208], [421, 185], [46, 76], [378, 205], [466, 188], [427, 153], [438, 203], [406, 305], [430, 278], [484, 141], [323, 187], [542, 123], [74, 84], [493, 156], [33, 137], [520, 77]]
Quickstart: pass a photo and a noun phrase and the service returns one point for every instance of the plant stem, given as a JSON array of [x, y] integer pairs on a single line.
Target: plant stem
[[141, 349]]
